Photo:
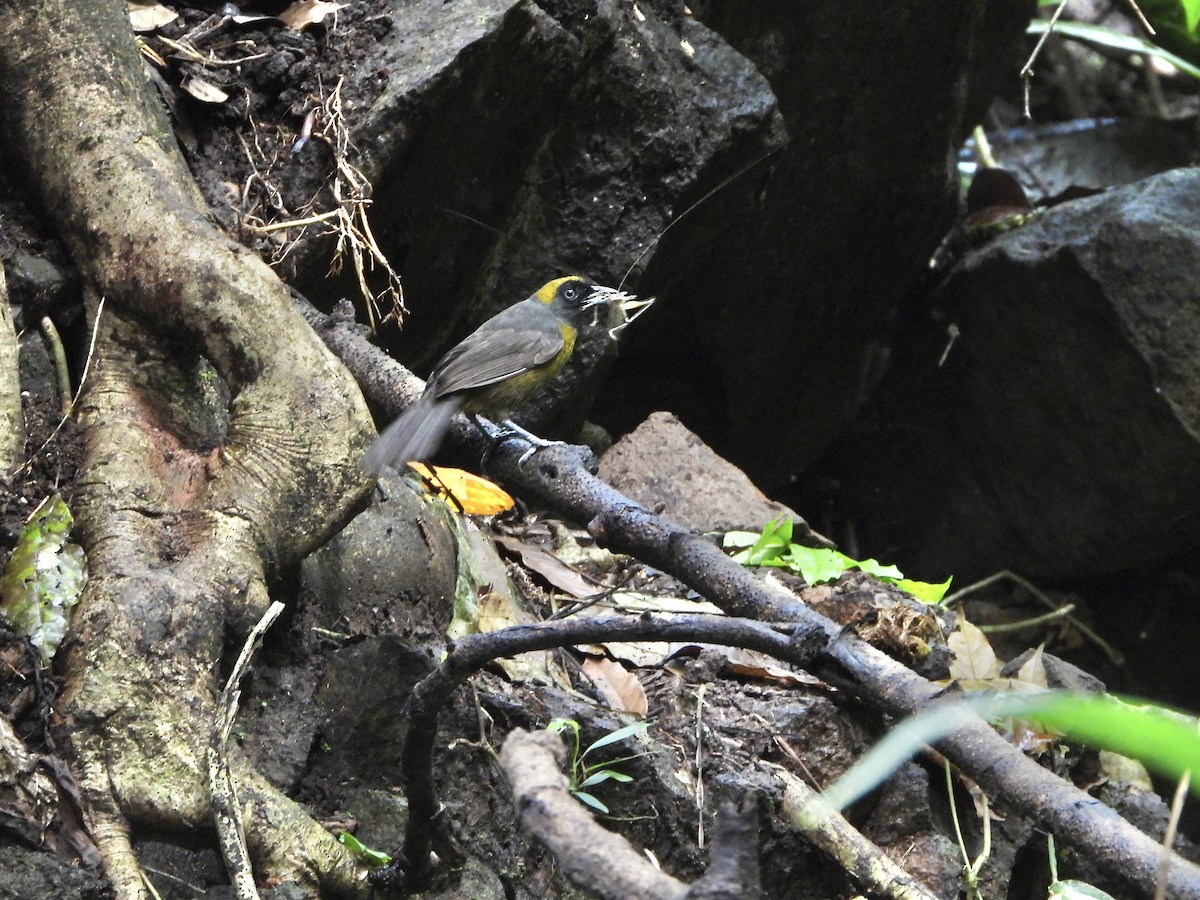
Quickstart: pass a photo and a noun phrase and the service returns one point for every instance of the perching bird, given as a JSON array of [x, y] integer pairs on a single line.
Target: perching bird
[[502, 363]]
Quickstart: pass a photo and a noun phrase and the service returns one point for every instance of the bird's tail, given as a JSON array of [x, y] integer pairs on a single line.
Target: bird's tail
[[415, 435]]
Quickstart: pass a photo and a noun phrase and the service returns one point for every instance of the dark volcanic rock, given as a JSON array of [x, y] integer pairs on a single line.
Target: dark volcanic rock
[[670, 470], [780, 144], [1076, 396]]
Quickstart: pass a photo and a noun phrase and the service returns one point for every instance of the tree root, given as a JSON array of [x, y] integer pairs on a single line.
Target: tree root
[[12, 421], [604, 863], [221, 437]]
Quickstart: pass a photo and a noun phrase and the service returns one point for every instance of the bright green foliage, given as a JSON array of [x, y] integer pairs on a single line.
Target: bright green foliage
[[1127, 43], [362, 851], [774, 547], [1164, 740], [581, 774], [1191, 15], [1177, 18], [43, 579]]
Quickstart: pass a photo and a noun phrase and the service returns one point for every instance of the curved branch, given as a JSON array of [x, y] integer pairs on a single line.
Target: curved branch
[[604, 863], [469, 655], [560, 478]]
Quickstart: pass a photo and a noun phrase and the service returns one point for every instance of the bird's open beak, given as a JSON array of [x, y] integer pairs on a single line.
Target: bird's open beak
[[627, 309]]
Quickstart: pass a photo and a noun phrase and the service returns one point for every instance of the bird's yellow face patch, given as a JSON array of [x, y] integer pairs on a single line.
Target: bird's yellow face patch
[[547, 292]]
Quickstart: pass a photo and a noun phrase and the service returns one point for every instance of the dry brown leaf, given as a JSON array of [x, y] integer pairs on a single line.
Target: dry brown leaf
[[1124, 769], [752, 664], [640, 654], [639, 602], [303, 13], [644, 654], [496, 612], [148, 16], [974, 659], [555, 571], [203, 90], [619, 687], [1033, 670], [1029, 739]]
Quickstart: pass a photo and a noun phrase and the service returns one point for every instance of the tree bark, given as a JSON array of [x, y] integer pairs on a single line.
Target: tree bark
[[12, 425], [221, 441]]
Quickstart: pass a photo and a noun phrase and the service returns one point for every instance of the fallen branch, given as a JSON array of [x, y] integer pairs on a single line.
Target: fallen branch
[[469, 655], [557, 477], [808, 810], [231, 831], [603, 863]]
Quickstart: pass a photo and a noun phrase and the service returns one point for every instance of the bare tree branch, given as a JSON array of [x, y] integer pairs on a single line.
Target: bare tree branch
[[560, 478], [593, 857]]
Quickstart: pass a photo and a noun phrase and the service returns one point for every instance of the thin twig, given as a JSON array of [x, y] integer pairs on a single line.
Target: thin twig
[[700, 766], [1063, 612], [82, 381], [1115, 656], [61, 373], [1181, 792], [1027, 70], [227, 812], [1141, 17]]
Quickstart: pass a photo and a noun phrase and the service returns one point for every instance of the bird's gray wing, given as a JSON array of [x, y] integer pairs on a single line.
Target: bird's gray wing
[[495, 352]]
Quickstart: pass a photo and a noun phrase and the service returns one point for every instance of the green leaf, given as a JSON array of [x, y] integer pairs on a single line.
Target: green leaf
[[923, 590], [558, 726], [740, 540], [588, 800], [362, 851], [1162, 739], [1077, 890], [603, 775], [774, 541], [817, 565], [1191, 15], [1104, 37], [619, 735], [43, 578]]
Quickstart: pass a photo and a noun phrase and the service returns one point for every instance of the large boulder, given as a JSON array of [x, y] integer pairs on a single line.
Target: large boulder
[[1059, 434], [1077, 403], [801, 155]]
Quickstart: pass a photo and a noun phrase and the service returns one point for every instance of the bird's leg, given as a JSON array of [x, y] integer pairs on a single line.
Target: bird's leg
[[497, 434], [512, 429]]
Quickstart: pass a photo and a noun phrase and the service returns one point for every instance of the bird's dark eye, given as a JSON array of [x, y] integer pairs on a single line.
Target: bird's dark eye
[[571, 293]]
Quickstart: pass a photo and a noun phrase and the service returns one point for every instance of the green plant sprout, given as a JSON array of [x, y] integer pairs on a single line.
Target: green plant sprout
[[581, 774], [971, 868], [362, 851], [774, 547], [1070, 889]]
